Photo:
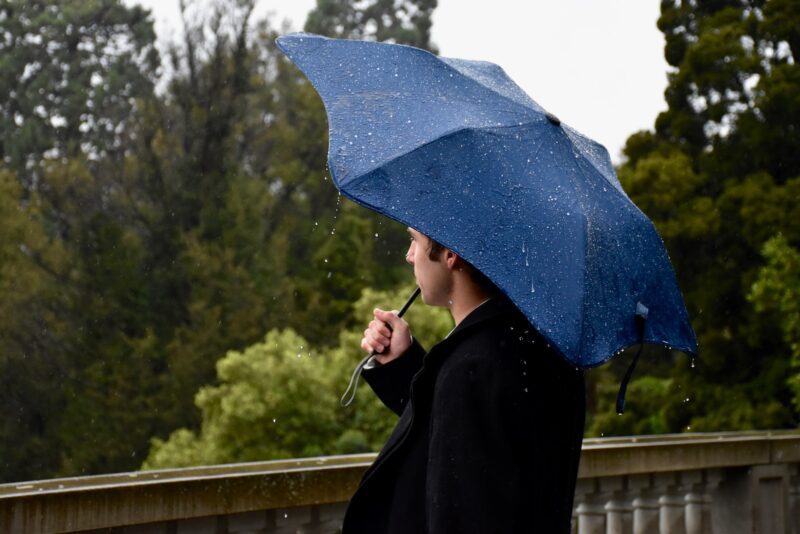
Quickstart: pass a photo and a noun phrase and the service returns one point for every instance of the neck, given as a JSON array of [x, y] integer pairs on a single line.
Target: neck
[[463, 304]]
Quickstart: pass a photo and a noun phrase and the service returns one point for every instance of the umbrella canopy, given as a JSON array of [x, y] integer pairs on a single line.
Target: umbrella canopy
[[456, 150]]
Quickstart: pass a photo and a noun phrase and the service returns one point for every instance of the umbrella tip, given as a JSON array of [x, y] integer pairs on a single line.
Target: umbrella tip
[[552, 118]]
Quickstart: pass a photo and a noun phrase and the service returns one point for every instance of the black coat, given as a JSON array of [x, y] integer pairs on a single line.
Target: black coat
[[489, 436]]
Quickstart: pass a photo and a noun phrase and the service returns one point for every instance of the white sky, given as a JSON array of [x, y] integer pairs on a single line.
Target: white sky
[[598, 65]]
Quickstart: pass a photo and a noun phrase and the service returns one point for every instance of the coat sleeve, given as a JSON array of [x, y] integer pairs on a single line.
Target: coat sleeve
[[391, 382], [493, 452]]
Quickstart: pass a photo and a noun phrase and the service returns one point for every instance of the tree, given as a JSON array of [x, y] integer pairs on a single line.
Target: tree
[[279, 398], [398, 21], [719, 177], [154, 232], [70, 73], [777, 292], [31, 355]]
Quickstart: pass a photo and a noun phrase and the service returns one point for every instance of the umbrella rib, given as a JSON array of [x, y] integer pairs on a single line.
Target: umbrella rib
[[516, 104], [587, 227], [573, 132], [364, 174]]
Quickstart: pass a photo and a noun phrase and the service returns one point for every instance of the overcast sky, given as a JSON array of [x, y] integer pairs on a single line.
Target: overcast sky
[[596, 64]]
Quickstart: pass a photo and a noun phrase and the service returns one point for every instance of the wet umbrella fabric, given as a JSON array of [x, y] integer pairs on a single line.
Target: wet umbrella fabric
[[456, 150]]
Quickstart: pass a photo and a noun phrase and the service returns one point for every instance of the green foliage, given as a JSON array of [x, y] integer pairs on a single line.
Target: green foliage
[[777, 291], [59, 98], [71, 73], [643, 414], [30, 333], [279, 398], [719, 177], [146, 234], [405, 22]]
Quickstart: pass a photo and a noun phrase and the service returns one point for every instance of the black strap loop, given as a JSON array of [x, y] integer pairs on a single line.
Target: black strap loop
[[641, 317], [352, 387]]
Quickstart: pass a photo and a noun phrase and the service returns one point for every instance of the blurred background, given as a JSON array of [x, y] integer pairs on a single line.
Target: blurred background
[[180, 283]]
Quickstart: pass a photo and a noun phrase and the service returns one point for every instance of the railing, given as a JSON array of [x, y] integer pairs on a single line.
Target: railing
[[725, 483]]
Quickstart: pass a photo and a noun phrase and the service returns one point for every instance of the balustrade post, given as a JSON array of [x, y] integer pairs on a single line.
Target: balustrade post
[[645, 504], [591, 511], [672, 504], [794, 499], [712, 478], [695, 499], [618, 509]]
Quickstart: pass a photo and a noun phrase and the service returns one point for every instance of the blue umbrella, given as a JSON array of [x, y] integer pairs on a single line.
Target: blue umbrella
[[457, 150]]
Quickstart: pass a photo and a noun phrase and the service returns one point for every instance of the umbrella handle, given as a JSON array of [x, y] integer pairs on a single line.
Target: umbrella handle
[[353, 385]]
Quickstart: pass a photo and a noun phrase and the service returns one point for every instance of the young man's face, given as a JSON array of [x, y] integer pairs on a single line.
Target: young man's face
[[433, 276]]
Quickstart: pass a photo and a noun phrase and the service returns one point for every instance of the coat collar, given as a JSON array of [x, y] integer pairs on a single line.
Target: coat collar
[[494, 307]]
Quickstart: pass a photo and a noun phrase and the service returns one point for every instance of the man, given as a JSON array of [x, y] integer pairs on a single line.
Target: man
[[491, 418]]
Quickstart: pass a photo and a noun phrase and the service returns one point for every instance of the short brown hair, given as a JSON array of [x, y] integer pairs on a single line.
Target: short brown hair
[[480, 279]]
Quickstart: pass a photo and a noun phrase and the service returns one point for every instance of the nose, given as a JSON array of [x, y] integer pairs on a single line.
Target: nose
[[410, 254]]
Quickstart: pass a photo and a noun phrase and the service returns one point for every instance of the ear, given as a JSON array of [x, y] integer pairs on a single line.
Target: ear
[[452, 260]]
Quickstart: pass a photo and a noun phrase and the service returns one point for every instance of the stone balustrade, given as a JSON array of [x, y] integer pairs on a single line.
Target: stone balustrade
[[727, 483]]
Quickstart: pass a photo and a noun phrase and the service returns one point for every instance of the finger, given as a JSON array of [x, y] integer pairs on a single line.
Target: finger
[[390, 318], [377, 342], [380, 327], [368, 347], [376, 338]]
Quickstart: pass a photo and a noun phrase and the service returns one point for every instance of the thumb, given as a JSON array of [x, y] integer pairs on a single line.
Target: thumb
[[389, 317]]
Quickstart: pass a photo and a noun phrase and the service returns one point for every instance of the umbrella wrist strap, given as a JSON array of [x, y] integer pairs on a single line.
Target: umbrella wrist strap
[[350, 393], [623, 387]]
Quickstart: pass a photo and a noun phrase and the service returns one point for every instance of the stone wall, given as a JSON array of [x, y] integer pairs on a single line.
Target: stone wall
[[726, 483]]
